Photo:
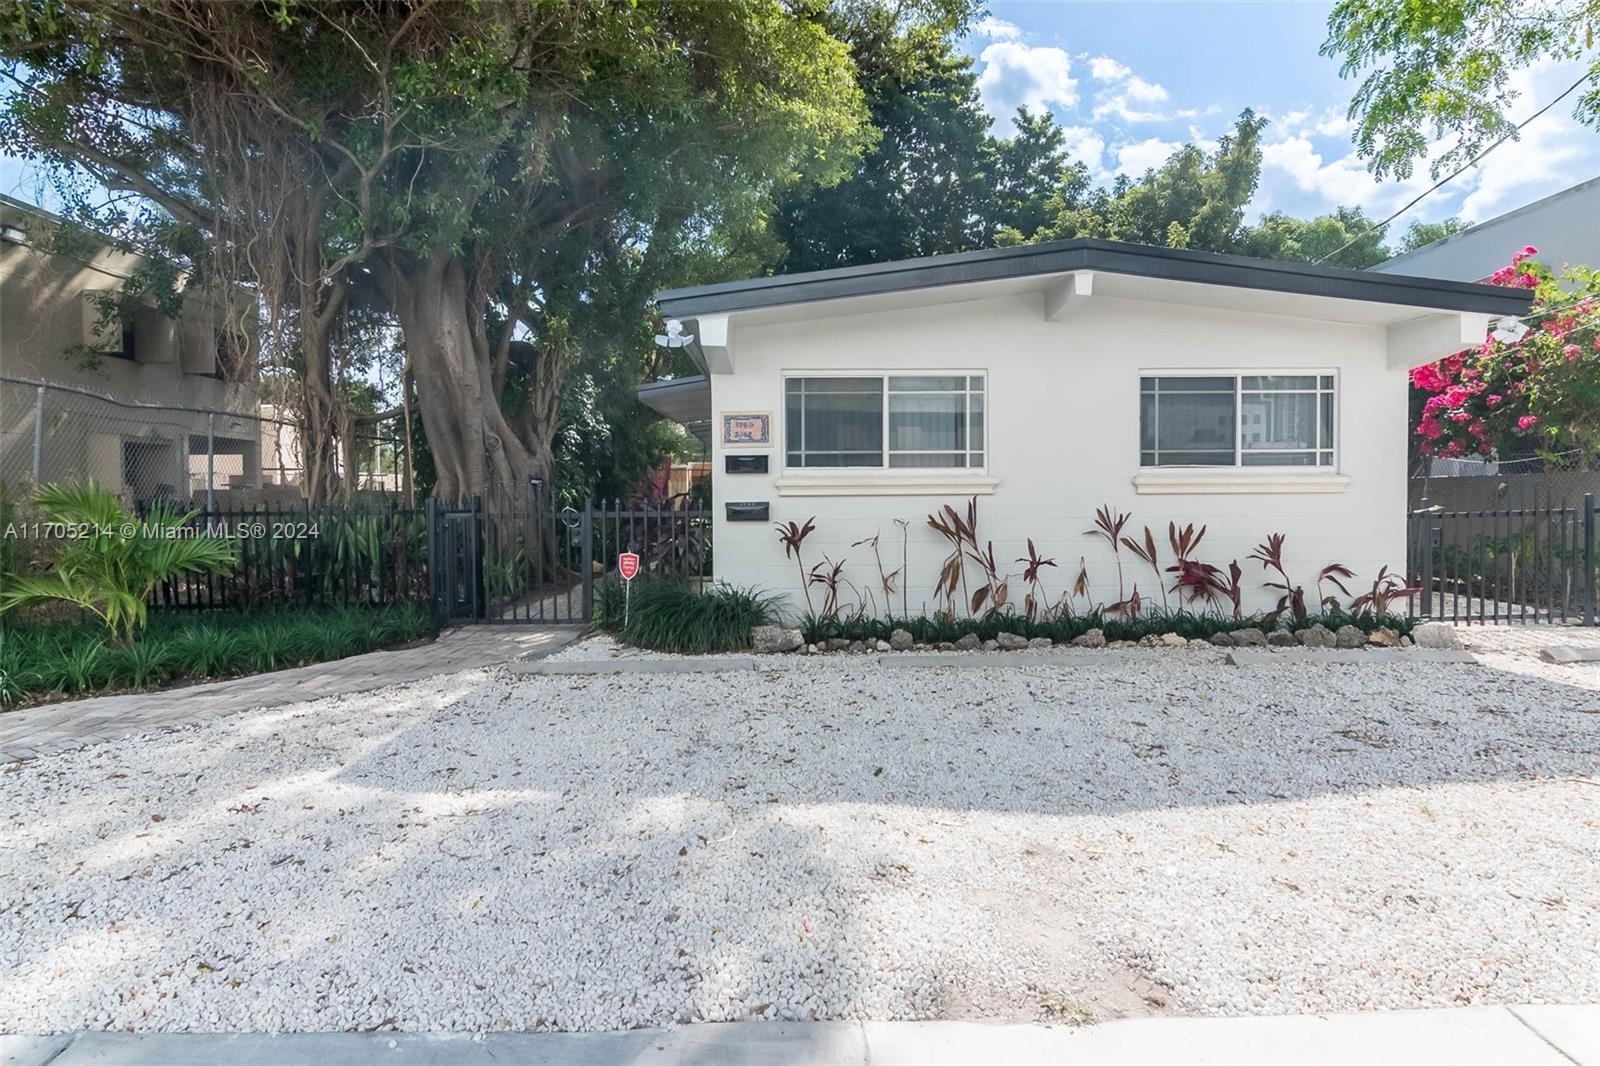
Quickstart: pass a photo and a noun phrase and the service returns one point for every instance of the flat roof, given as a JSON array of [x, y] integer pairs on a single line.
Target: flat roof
[[1112, 257]]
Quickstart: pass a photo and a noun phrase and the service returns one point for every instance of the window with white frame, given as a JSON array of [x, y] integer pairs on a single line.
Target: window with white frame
[[924, 421], [1236, 420]]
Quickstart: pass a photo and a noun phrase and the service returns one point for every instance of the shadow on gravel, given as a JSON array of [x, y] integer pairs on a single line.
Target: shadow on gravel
[[573, 851]]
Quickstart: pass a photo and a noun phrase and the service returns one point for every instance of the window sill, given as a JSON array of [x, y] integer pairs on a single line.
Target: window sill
[[909, 483], [1167, 482]]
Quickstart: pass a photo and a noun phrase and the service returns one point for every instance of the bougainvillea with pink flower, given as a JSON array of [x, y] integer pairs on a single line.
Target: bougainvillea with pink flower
[[1539, 394]]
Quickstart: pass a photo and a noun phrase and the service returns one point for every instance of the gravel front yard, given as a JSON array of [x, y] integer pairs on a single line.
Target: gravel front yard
[[1148, 832]]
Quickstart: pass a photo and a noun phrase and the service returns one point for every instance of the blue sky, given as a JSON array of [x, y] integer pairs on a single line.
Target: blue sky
[[1130, 81]]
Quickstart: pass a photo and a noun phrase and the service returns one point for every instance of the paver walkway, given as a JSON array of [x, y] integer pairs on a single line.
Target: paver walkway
[[55, 727]]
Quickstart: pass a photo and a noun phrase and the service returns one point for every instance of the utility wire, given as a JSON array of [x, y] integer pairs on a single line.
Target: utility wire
[[1436, 186]]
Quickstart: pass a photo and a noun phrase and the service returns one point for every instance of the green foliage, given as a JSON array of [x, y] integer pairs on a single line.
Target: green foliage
[[1435, 68], [668, 615], [142, 664], [109, 559], [71, 659], [1193, 200], [942, 629], [529, 172], [936, 181], [203, 650], [1346, 238], [1420, 234]]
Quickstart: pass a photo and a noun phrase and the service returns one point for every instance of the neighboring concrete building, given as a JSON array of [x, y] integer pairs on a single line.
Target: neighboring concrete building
[[133, 403], [1565, 227], [1248, 396]]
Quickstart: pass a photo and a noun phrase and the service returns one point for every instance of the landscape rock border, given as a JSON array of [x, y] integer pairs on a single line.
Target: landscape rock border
[[780, 640]]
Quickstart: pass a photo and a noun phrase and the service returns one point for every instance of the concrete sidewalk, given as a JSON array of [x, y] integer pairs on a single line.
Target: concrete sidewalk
[[53, 727], [1459, 1036]]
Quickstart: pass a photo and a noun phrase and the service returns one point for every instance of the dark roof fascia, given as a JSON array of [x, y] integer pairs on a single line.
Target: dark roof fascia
[[1112, 257]]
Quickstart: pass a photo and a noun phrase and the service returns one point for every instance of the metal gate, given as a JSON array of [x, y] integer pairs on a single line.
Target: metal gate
[[1524, 564], [543, 564]]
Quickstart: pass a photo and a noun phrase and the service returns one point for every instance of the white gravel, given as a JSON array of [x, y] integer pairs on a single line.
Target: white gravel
[[827, 840]]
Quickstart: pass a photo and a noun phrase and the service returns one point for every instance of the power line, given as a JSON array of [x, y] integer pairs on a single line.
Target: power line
[[1436, 186]]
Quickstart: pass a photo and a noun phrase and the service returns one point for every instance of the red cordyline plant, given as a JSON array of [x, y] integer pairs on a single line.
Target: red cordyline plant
[[1540, 392], [1108, 526], [1034, 602], [962, 533], [959, 531], [830, 575], [1385, 588], [1270, 554], [792, 537], [1147, 552], [1194, 579]]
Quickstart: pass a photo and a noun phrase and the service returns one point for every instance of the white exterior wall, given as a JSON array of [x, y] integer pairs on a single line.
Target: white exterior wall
[[1063, 439]]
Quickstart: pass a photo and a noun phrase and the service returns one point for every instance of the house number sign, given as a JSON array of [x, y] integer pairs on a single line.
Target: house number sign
[[746, 429]]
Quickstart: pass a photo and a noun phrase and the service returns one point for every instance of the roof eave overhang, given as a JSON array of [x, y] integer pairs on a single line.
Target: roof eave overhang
[[1092, 255]]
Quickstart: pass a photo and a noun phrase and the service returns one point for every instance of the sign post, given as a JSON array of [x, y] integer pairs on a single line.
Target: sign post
[[628, 567]]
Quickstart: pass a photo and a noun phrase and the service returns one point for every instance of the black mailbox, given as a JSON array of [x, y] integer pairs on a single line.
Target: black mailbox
[[745, 464], [747, 512]]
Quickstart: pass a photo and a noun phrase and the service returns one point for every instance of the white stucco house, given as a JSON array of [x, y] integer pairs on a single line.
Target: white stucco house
[[1248, 396]]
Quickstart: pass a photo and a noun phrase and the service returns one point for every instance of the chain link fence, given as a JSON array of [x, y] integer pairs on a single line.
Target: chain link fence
[[52, 432]]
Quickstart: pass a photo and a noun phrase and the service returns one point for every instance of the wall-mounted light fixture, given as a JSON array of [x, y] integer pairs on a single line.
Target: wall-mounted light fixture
[[12, 235]]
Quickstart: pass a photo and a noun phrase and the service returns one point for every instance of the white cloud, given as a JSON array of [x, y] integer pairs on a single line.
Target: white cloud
[[1333, 124], [1554, 152], [1134, 159], [1085, 145], [1144, 91], [1104, 68], [1016, 75], [997, 29], [1125, 95]]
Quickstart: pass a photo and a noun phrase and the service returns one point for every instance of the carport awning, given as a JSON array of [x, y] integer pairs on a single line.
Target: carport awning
[[686, 401]]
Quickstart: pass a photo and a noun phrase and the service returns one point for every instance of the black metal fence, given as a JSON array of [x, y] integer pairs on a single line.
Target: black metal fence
[[1532, 560], [539, 564], [301, 556]]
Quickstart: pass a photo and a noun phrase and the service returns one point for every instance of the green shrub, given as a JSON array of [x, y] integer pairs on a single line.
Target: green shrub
[[74, 658], [668, 615], [609, 597], [205, 650], [110, 573], [74, 667], [139, 665], [268, 647]]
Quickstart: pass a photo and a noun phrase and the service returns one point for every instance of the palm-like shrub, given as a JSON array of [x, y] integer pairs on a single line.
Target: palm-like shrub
[[110, 559]]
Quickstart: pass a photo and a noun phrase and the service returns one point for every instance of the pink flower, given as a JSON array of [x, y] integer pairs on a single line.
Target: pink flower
[[1456, 396], [1494, 399], [1572, 351], [1528, 281], [1503, 276], [1527, 422], [1428, 378]]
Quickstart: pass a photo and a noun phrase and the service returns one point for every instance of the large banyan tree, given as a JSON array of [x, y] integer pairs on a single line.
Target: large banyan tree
[[497, 176]]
